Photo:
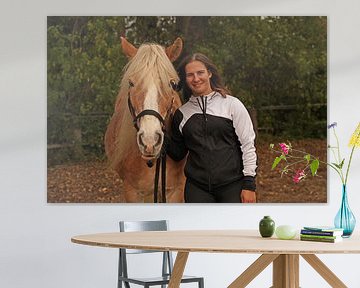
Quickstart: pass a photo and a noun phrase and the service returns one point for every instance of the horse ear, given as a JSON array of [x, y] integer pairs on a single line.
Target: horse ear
[[128, 49], [174, 50]]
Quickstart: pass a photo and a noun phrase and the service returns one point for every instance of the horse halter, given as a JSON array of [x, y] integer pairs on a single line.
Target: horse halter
[[136, 118], [161, 160]]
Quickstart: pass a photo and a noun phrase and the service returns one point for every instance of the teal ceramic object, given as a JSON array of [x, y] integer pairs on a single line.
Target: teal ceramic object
[[285, 232], [266, 226]]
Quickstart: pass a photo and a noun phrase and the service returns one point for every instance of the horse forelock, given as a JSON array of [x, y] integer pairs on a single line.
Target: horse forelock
[[150, 66]]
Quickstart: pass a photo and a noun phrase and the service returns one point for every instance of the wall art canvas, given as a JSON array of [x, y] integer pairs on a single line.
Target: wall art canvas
[[100, 141]]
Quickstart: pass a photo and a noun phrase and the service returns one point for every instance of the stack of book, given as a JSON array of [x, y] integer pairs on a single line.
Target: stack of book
[[321, 234]]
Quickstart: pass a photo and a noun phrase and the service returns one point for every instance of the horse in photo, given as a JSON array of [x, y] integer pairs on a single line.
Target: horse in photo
[[143, 111]]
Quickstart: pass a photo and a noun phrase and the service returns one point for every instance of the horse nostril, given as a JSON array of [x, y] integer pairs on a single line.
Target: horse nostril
[[140, 140], [158, 138]]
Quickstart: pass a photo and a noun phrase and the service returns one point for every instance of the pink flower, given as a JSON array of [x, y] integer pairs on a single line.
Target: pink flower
[[299, 175], [284, 148]]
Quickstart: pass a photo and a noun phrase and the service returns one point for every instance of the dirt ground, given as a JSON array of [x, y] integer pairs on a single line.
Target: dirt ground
[[93, 182]]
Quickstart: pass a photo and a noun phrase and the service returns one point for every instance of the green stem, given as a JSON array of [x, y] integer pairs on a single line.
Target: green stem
[[337, 144], [340, 171], [311, 157], [337, 171], [304, 153], [334, 154], [348, 166], [294, 163]]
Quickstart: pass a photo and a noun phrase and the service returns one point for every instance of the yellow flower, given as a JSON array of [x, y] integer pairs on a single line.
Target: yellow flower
[[355, 138]]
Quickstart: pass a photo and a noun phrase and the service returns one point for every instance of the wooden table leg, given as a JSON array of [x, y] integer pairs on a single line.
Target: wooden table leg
[[253, 270], [178, 270], [323, 270], [286, 271]]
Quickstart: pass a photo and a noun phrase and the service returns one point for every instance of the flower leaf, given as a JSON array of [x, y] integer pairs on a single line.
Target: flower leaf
[[271, 146], [307, 157], [336, 165], [339, 166], [342, 164], [276, 162], [314, 166]]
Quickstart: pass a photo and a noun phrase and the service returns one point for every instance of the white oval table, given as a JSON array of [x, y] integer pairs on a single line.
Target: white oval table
[[284, 254]]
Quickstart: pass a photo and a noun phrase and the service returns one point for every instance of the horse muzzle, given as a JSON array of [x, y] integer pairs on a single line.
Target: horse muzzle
[[148, 157], [150, 145]]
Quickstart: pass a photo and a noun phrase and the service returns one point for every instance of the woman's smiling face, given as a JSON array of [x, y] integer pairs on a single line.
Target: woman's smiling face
[[198, 78]]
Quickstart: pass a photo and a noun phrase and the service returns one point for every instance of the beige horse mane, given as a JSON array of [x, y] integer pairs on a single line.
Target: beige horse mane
[[149, 65]]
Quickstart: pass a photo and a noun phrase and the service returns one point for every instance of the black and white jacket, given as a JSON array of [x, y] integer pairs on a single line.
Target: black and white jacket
[[218, 134]]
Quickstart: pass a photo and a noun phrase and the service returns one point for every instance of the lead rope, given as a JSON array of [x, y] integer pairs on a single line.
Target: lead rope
[[156, 180], [160, 164], [163, 177]]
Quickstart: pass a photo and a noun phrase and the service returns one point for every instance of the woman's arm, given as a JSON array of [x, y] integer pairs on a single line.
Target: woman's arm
[[246, 135], [175, 143]]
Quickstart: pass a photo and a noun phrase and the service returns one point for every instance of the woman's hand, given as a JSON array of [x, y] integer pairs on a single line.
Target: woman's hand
[[248, 196]]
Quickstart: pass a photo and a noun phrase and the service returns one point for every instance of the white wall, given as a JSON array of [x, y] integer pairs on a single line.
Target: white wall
[[35, 248]]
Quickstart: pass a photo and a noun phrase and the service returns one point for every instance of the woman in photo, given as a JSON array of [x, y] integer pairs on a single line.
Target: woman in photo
[[216, 132]]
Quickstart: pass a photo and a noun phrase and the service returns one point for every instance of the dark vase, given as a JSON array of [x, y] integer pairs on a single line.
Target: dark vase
[[345, 219], [266, 226]]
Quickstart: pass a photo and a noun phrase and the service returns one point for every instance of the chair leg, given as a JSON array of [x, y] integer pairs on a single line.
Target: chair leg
[[126, 284]]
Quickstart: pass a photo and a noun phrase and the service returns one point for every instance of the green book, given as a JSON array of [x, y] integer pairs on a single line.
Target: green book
[[319, 236], [323, 239]]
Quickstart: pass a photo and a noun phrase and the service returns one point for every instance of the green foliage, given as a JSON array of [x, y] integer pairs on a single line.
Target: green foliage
[[314, 166], [84, 67], [277, 161], [276, 65]]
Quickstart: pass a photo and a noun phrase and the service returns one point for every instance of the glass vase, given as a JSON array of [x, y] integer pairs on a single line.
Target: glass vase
[[345, 219]]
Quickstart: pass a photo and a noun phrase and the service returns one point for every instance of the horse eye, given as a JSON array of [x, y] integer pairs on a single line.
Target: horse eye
[[174, 85], [131, 84]]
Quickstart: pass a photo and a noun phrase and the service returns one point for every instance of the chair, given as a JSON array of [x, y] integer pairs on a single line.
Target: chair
[[167, 262]]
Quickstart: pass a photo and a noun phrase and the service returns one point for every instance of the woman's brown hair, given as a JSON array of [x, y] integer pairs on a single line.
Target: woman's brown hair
[[216, 81]]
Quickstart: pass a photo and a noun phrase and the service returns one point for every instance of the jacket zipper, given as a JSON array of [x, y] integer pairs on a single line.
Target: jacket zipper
[[203, 109]]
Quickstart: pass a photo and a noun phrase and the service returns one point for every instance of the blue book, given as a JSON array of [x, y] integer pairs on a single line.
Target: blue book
[[322, 231]]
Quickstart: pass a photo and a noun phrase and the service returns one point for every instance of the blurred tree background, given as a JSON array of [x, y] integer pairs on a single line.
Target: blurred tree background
[[276, 65]]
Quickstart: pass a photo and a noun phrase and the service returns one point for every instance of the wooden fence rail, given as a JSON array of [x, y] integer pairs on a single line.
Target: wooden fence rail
[[255, 114]]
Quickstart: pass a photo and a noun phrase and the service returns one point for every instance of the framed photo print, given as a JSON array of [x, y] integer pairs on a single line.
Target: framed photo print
[[186, 109]]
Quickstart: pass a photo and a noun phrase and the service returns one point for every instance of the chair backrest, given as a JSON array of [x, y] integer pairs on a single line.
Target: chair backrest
[[133, 226]]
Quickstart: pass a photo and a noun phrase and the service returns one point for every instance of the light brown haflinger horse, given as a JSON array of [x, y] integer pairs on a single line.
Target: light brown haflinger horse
[[148, 84]]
